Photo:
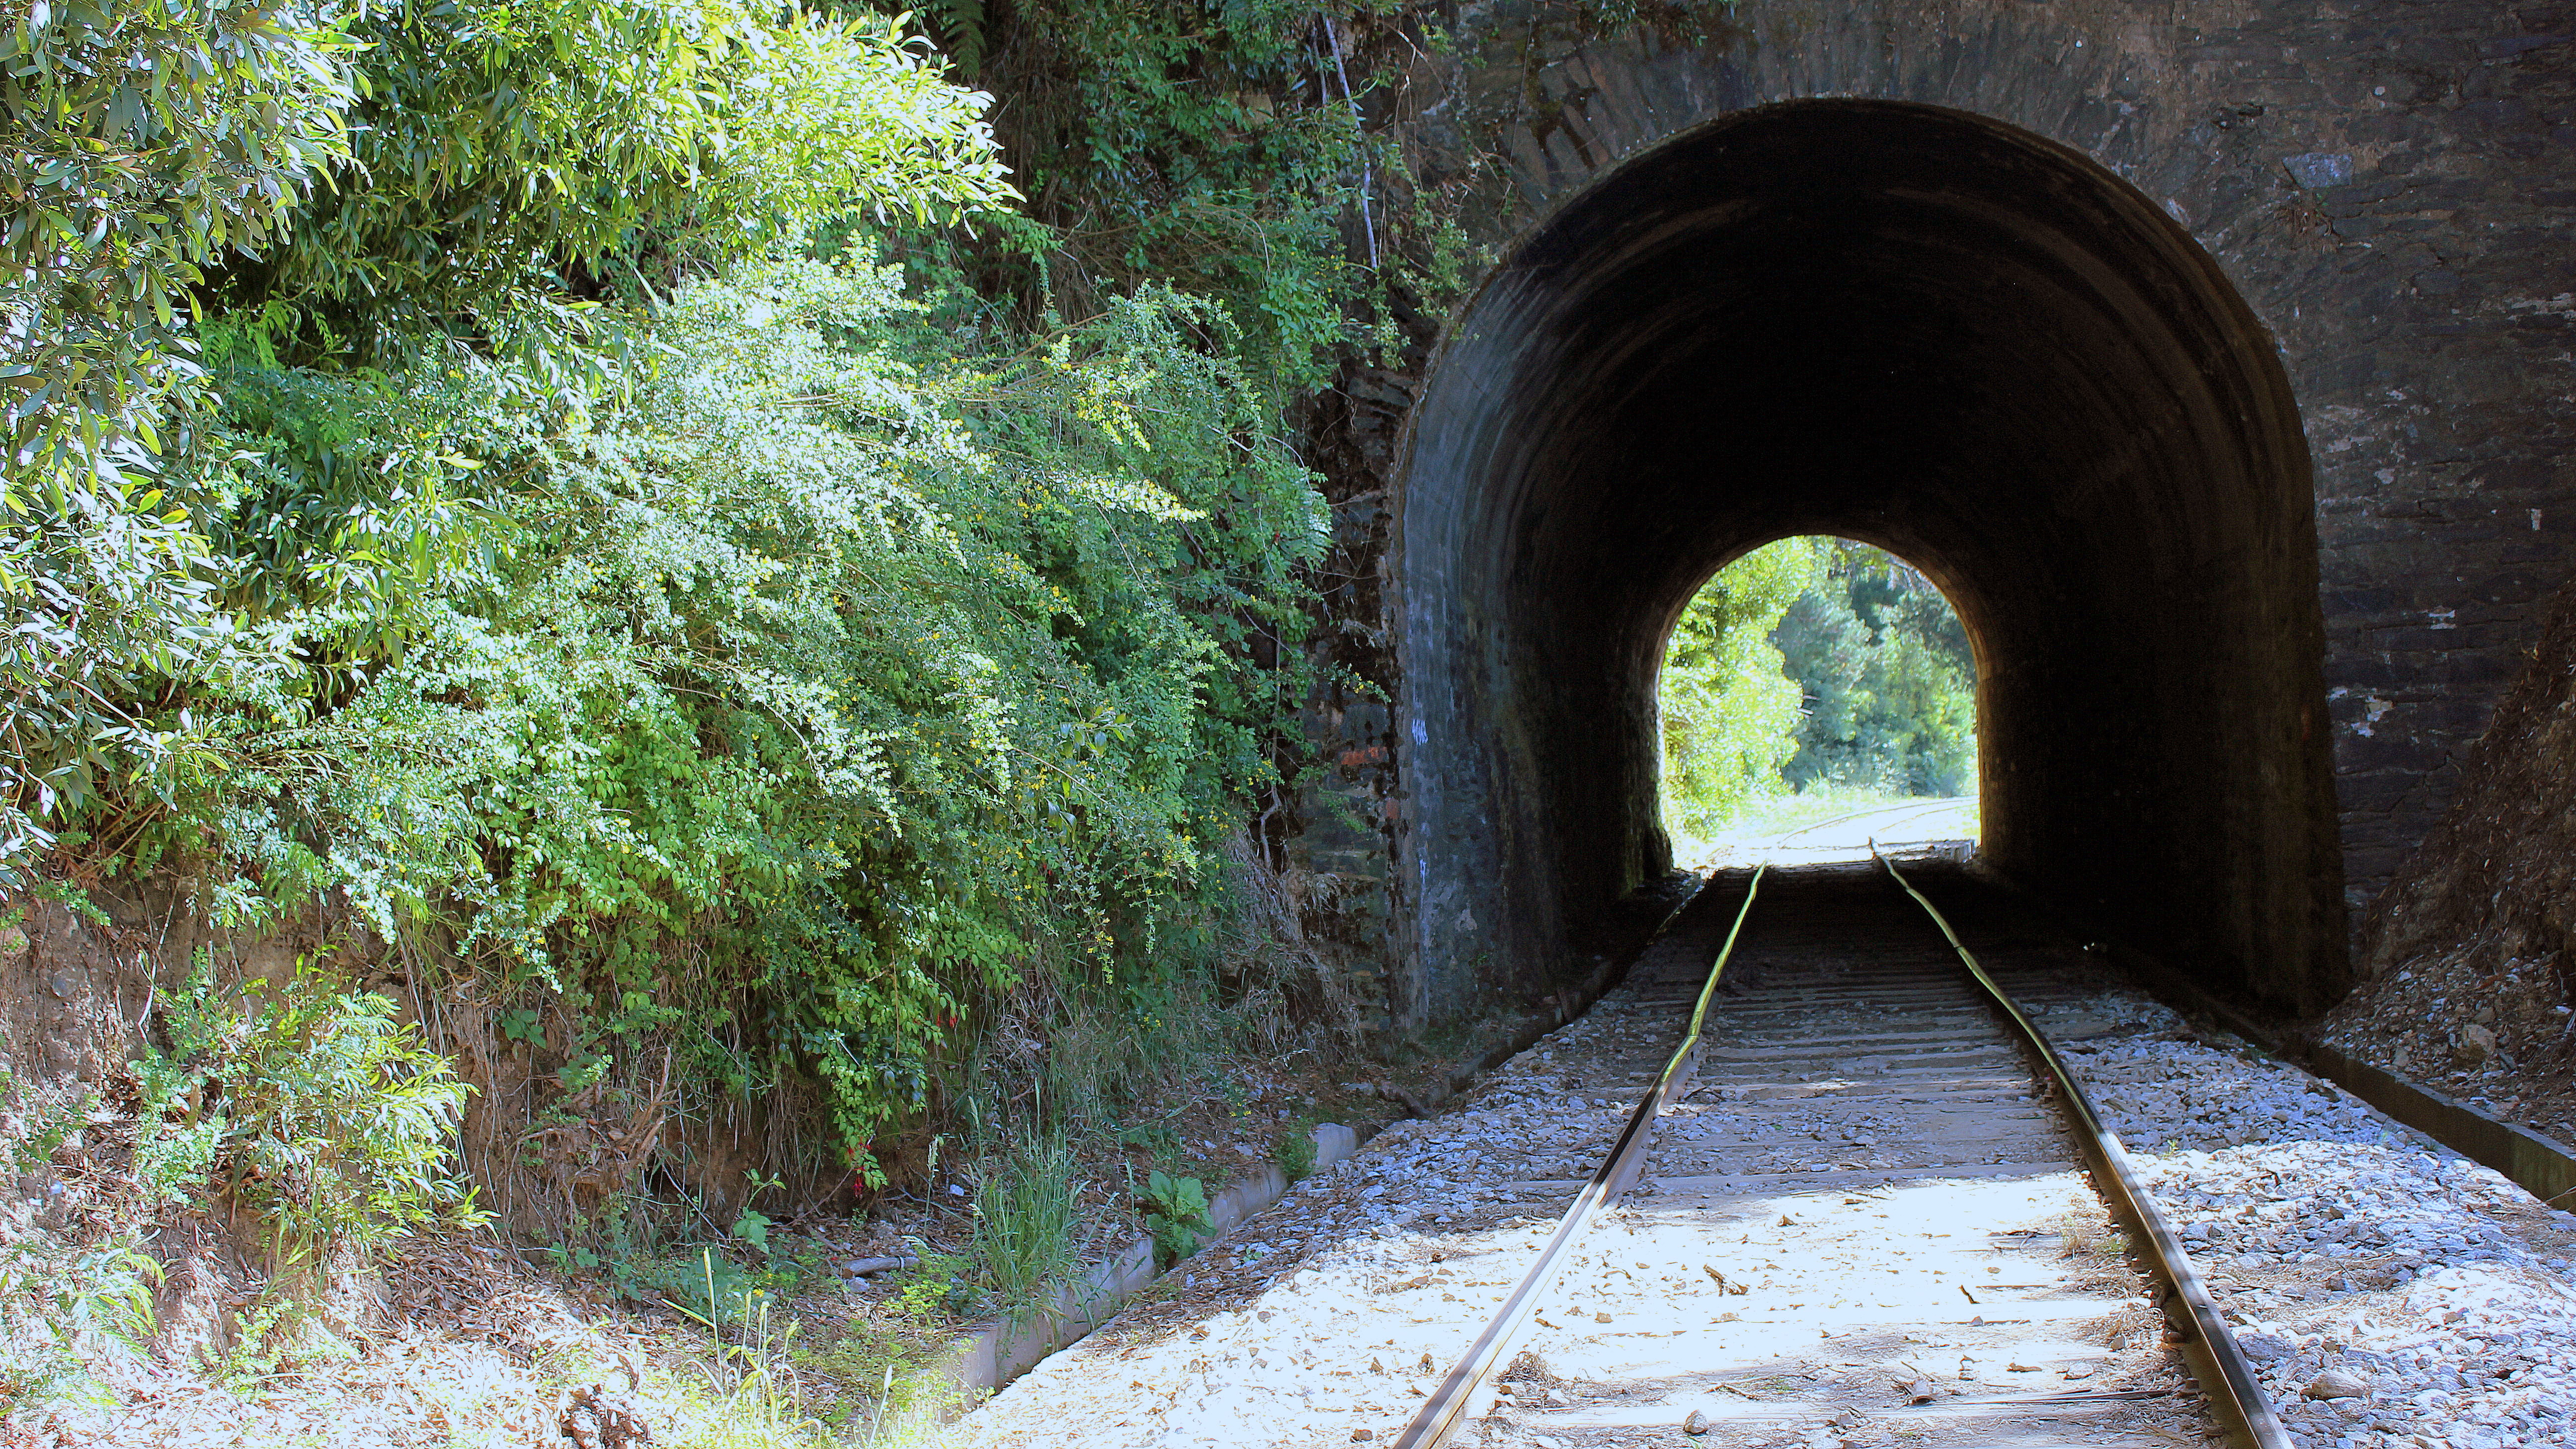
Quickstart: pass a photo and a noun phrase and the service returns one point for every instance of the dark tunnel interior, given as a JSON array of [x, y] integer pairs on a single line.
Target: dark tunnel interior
[[1927, 331]]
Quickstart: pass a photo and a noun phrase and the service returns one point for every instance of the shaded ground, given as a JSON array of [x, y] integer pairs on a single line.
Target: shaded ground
[[2467, 967]]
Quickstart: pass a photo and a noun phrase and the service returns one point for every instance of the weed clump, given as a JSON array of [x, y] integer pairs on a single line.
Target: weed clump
[[307, 1106]]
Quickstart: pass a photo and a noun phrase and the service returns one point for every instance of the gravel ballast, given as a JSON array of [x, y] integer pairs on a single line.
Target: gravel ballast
[[1336, 1311], [2390, 1292]]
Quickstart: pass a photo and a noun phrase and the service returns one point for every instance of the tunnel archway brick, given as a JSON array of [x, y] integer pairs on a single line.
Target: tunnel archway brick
[[2414, 308]]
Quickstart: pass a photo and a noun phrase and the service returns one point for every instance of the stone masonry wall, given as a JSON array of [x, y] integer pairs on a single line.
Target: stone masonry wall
[[2388, 186]]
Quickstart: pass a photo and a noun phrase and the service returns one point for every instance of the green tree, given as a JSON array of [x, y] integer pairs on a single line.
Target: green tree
[[145, 140], [1729, 715], [1887, 678]]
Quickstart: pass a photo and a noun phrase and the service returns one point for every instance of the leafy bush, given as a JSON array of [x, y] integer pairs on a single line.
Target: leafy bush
[[1176, 1213], [172, 1159], [1728, 712], [505, 155], [672, 139], [889, 679], [718, 645], [942, 1287], [1183, 144], [310, 1106]]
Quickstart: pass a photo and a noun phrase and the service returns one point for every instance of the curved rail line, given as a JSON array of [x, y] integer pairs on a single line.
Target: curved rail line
[[1445, 1411], [2229, 1386], [2216, 1360]]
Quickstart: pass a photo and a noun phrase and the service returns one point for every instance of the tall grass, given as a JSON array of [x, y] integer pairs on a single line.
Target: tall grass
[[1027, 1225]]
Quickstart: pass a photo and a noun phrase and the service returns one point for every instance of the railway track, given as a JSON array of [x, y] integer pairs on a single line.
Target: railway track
[[1855, 1203]]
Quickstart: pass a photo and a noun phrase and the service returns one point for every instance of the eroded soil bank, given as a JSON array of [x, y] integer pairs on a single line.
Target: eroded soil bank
[[2467, 963], [144, 1300]]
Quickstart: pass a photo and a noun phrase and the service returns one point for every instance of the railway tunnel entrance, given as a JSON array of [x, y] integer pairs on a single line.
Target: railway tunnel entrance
[[1925, 330]]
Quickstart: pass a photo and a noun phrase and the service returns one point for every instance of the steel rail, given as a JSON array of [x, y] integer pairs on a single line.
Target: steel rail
[[1446, 1411], [2226, 1376]]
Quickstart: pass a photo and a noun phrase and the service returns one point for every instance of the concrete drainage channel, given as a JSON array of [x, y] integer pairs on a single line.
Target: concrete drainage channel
[[996, 1353]]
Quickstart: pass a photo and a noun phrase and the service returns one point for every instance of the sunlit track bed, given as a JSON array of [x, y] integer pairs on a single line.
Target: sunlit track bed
[[1908, 1252], [1865, 1220]]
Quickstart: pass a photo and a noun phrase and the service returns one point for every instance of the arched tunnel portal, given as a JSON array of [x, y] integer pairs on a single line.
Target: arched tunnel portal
[[1929, 331]]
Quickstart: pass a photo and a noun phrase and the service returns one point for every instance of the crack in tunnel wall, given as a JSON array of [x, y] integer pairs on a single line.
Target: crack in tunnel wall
[[1928, 331]]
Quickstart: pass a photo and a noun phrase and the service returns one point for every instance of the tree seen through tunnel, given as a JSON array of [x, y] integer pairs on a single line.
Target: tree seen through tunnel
[[1815, 679]]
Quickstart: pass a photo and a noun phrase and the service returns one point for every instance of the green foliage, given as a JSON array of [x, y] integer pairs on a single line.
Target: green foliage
[[504, 150], [1728, 713], [1814, 661], [510, 162], [47, 1134], [100, 578], [1027, 1217], [106, 1289], [721, 647], [1175, 1210], [55, 1303], [274, 1334], [763, 1407], [943, 1287], [310, 1106], [706, 1285], [1294, 1153], [1197, 146], [752, 1229], [960, 27], [890, 676], [175, 1140], [1889, 683], [874, 1372], [144, 140]]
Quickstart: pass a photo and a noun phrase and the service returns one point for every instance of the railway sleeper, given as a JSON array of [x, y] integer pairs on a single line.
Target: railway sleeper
[[1755, 1291]]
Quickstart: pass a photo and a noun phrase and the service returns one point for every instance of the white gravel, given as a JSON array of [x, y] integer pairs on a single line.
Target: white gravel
[[2350, 1251], [1338, 1309]]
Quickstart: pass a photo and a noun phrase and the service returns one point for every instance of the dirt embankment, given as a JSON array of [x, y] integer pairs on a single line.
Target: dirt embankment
[[2468, 960]]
